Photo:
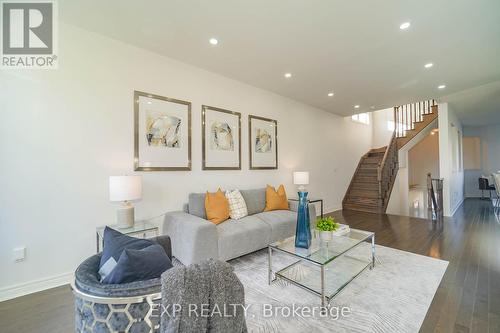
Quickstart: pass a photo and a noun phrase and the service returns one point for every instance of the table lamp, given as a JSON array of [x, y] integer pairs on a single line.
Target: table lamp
[[301, 178], [125, 189]]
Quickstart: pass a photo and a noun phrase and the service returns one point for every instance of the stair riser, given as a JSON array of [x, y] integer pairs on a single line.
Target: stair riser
[[362, 209], [364, 194]]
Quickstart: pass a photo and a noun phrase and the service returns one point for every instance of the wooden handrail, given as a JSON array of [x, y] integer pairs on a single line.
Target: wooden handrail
[[384, 169], [382, 164], [437, 203]]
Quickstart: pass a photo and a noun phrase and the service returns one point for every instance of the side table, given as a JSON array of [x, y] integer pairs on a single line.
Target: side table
[[311, 201], [140, 229]]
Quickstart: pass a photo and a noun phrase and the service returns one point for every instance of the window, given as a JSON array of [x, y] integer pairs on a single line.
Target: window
[[401, 127], [363, 118]]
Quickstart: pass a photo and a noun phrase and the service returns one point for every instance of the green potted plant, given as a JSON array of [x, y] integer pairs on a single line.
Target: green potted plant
[[326, 226]]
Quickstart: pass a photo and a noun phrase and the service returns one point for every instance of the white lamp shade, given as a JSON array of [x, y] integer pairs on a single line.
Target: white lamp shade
[[301, 178], [125, 188]]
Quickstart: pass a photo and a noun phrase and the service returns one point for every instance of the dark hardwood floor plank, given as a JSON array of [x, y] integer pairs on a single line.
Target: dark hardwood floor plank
[[467, 300]]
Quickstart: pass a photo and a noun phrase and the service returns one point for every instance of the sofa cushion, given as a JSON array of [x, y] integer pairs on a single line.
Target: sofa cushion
[[237, 205], [276, 199], [255, 200], [217, 207], [239, 237], [114, 244], [281, 222], [196, 205], [139, 265]]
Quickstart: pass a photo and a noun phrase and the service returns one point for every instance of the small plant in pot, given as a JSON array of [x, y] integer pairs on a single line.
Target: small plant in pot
[[326, 226]]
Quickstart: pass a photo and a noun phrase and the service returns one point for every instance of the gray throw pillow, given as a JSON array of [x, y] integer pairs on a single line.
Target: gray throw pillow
[[197, 205], [255, 200]]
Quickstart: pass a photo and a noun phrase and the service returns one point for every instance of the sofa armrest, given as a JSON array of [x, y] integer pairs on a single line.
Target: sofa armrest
[[294, 205], [193, 239], [164, 241]]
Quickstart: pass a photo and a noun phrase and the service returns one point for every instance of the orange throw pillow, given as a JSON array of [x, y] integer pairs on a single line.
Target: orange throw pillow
[[217, 207], [276, 200]]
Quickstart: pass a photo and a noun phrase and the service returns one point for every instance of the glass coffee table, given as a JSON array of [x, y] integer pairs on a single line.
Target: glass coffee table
[[326, 267]]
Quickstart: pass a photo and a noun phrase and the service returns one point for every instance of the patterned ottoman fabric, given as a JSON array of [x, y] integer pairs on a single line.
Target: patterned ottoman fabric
[[129, 307], [140, 317]]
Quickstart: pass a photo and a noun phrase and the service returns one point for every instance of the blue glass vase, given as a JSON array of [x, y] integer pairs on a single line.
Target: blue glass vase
[[303, 231]]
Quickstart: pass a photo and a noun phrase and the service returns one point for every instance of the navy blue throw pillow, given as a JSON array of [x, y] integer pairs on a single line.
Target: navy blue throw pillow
[[139, 265], [114, 244]]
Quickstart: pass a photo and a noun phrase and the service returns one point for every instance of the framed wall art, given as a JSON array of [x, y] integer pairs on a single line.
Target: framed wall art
[[263, 143], [162, 133], [221, 139]]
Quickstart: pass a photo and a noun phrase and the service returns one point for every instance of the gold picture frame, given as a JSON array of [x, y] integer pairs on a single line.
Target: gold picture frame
[[180, 139], [205, 109], [252, 144]]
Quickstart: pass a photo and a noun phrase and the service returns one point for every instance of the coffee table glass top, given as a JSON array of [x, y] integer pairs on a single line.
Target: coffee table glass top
[[320, 254]]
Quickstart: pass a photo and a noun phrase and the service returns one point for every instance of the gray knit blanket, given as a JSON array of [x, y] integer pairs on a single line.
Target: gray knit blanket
[[205, 297]]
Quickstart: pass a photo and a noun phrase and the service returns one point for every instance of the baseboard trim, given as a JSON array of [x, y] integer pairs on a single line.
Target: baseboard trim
[[34, 286], [332, 210]]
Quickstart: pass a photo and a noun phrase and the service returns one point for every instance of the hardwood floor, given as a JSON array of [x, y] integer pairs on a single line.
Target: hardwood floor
[[468, 299]]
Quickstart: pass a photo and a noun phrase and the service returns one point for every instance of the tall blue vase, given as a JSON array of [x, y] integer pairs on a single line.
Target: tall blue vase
[[303, 231]]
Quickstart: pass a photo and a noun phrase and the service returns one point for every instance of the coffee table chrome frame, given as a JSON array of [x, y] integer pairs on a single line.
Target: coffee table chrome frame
[[325, 300]]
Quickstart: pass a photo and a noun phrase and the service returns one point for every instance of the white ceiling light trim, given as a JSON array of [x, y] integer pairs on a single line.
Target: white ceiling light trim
[[429, 65], [213, 41], [442, 86], [330, 94], [356, 106], [404, 25], [288, 75], [257, 52]]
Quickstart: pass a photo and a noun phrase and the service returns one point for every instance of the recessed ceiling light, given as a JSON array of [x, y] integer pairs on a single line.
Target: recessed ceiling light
[[429, 65], [149, 102], [441, 86], [330, 94], [288, 75], [404, 25], [213, 41], [356, 106]]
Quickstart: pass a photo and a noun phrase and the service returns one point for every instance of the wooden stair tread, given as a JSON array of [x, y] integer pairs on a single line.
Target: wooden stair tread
[[365, 192]]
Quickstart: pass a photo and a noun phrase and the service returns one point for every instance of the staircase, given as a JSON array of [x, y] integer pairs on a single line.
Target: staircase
[[371, 185], [410, 119]]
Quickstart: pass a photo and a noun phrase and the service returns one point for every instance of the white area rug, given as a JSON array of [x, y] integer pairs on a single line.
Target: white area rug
[[393, 297]]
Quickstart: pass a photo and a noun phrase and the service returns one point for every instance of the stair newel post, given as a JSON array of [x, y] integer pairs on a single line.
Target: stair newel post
[[379, 179], [429, 194]]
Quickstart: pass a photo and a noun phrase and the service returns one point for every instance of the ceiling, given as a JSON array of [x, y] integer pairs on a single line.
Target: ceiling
[[353, 48], [478, 106]]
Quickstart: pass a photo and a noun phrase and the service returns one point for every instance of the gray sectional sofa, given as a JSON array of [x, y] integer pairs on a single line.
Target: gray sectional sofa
[[195, 239]]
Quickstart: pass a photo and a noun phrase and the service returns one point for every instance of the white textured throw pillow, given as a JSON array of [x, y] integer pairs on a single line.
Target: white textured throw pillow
[[237, 205]]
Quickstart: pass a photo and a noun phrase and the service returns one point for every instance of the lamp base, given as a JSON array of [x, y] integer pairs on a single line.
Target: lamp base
[[125, 216]]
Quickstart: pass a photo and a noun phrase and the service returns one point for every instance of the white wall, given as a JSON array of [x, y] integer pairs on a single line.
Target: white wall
[[399, 202], [422, 159], [63, 132], [489, 156], [381, 135], [450, 159]]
